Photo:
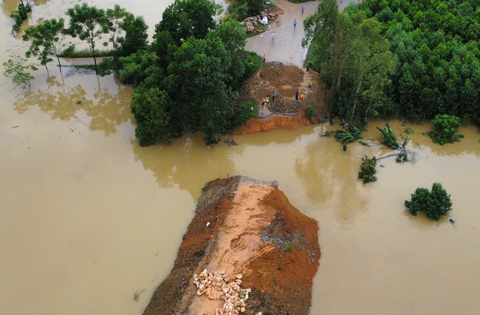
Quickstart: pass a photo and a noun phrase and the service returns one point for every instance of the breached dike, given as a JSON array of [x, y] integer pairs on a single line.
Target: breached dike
[[242, 229], [254, 125]]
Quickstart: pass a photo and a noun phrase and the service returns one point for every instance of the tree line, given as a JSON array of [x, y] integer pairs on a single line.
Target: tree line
[[185, 80], [414, 59]]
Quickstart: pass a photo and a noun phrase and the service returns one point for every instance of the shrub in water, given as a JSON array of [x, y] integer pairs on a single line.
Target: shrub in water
[[368, 170], [435, 204], [444, 128]]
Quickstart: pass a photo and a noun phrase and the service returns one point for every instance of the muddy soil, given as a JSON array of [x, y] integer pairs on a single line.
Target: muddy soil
[[285, 81], [255, 125], [244, 226]]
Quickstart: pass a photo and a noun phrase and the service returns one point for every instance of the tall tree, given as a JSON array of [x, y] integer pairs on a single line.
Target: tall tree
[[185, 18], [152, 108], [197, 83], [234, 39], [47, 39], [135, 37], [321, 28], [89, 24], [114, 19]]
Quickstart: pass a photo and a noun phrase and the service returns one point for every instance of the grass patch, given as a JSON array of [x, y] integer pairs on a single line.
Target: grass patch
[[287, 247], [70, 52]]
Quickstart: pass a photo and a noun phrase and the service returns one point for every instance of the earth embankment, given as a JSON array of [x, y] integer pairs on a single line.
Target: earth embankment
[[244, 227]]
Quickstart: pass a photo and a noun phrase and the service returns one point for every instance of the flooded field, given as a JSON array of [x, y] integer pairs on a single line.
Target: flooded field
[[90, 220]]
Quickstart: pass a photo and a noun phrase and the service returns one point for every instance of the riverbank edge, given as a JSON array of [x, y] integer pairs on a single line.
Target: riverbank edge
[[285, 122]]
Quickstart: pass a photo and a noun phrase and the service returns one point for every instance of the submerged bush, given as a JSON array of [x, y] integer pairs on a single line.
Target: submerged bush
[[435, 204], [351, 135], [243, 113], [311, 112], [368, 170], [389, 138], [21, 14], [444, 128]]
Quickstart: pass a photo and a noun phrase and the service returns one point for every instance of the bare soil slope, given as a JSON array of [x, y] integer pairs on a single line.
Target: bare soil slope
[[244, 226]]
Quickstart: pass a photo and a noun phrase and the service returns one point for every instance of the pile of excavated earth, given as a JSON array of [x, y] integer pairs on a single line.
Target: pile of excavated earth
[[285, 112], [247, 250]]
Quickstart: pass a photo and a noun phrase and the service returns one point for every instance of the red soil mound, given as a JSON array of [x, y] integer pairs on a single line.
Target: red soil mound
[[253, 230], [274, 122]]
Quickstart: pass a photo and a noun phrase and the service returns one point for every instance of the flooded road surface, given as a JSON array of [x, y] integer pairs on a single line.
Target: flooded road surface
[[90, 221], [287, 46]]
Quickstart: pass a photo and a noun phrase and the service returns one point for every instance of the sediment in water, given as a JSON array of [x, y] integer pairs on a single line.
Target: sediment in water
[[244, 226]]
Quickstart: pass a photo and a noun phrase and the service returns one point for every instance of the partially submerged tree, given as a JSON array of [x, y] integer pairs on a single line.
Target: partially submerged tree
[[16, 70], [47, 39], [389, 138], [368, 170], [114, 18], [197, 82], [444, 129], [21, 14], [435, 204], [89, 24], [152, 108]]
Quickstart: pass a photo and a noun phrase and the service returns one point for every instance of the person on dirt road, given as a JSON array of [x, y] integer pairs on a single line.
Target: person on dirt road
[[273, 96], [302, 96], [273, 36], [295, 23], [267, 99], [303, 9], [296, 95], [263, 58], [263, 101]]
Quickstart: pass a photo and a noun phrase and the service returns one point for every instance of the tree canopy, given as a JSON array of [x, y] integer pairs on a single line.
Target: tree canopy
[[419, 58], [47, 39], [185, 18]]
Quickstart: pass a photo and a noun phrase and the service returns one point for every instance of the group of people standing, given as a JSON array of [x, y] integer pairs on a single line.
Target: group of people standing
[[266, 99]]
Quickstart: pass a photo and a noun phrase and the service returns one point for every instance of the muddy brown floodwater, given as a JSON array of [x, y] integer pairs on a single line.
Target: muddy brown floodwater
[[89, 220]]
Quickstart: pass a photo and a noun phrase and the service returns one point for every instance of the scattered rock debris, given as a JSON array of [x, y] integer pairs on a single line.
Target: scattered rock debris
[[220, 286]]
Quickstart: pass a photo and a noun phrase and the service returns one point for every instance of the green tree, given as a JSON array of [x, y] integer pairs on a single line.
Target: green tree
[[197, 83], [253, 6], [89, 24], [141, 68], [151, 108], [444, 129], [114, 19], [136, 35], [368, 170], [17, 70], [165, 46], [435, 204], [185, 18], [21, 14], [234, 39], [47, 39], [321, 30]]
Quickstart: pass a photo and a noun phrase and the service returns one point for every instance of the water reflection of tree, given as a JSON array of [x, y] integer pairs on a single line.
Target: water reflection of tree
[[107, 106], [330, 177], [187, 163]]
